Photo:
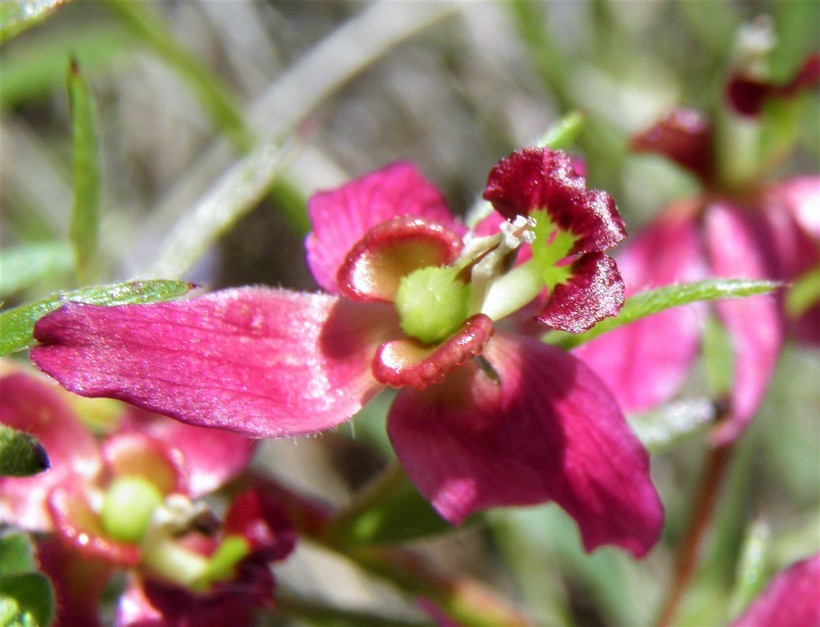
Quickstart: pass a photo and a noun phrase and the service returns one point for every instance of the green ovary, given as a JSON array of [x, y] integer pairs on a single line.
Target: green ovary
[[432, 303], [129, 503]]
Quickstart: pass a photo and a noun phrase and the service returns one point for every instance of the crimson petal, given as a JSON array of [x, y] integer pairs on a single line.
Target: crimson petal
[[262, 362], [540, 178], [548, 431], [593, 292], [390, 250], [342, 216]]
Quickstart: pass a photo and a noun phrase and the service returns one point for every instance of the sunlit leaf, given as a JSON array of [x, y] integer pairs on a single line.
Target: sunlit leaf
[[17, 325], [663, 428], [18, 15], [654, 301]]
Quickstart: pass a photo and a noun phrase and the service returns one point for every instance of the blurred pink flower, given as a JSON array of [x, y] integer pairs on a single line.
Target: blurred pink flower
[[180, 462], [763, 231], [525, 423], [792, 598]]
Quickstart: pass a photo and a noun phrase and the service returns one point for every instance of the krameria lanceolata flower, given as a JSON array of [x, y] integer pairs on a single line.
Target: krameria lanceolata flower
[[486, 415], [132, 502]]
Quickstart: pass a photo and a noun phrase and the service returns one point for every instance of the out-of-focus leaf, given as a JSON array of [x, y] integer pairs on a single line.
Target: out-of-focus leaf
[[663, 428], [718, 358], [654, 301], [85, 210], [562, 134], [17, 325], [16, 553], [18, 15], [214, 96], [27, 264], [713, 23], [26, 600], [751, 568], [35, 66], [21, 455], [803, 294], [26, 597]]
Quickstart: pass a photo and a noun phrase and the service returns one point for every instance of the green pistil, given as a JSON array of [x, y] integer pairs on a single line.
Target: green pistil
[[432, 303], [127, 508]]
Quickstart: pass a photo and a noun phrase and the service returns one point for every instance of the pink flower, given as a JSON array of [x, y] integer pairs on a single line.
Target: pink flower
[[484, 417], [131, 503], [790, 599], [758, 231]]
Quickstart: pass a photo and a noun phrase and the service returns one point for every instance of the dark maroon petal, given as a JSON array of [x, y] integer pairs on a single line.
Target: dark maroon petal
[[540, 178], [31, 404], [408, 362], [390, 250], [211, 457], [790, 599], [79, 527], [342, 216], [549, 431], [685, 137], [754, 324], [263, 523], [262, 362], [79, 582], [593, 292], [134, 454], [747, 95]]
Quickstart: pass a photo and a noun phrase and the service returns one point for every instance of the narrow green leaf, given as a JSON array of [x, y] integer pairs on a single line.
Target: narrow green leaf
[[210, 90], [564, 132], [17, 325], [21, 455], [85, 211], [28, 264], [27, 600], [803, 294], [18, 15], [751, 567], [654, 301]]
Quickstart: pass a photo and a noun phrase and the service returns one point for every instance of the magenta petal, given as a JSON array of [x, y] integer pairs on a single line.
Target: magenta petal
[[408, 362], [262, 362], [373, 268], [30, 404], [549, 431], [754, 324], [134, 454], [593, 292], [342, 216], [211, 457], [790, 599], [638, 362]]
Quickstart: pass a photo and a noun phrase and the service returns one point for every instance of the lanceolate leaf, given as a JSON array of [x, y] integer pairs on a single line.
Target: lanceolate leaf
[[85, 212], [16, 325], [654, 301]]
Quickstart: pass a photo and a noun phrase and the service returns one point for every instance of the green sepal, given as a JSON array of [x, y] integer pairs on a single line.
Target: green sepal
[[21, 455], [17, 325]]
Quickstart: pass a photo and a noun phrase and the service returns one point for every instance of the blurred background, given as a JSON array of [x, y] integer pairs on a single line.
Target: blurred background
[[216, 120]]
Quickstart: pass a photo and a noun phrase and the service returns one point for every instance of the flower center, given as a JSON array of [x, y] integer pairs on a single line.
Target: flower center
[[432, 303], [127, 508]]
